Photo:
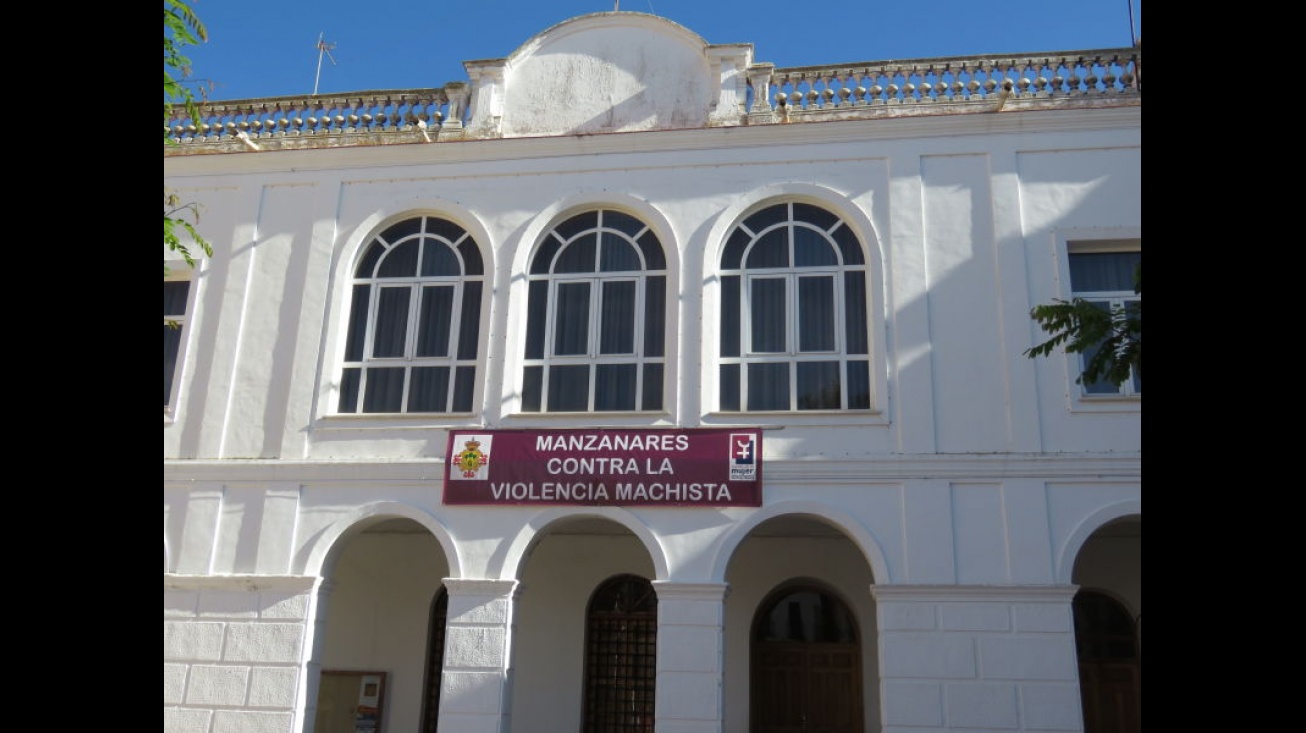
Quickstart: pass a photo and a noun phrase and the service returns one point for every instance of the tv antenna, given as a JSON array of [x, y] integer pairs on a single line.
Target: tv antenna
[[322, 48]]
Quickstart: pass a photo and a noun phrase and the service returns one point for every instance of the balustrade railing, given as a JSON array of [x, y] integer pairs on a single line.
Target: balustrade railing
[[336, 114], [955, 84], [1080, 74]]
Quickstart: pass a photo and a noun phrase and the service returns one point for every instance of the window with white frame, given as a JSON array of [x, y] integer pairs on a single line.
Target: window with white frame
[[414, 321], [794, 333], [596, 317], [1102, 273], [176, 294]]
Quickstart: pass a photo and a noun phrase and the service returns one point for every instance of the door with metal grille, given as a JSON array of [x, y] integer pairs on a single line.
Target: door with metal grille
[[621, 656], [435, 660]]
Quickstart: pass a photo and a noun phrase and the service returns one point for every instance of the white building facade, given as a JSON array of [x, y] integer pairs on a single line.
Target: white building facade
[[635, 385]]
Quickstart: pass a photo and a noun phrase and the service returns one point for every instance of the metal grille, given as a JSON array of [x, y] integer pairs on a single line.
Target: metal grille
[[621, 656], [435, 661]]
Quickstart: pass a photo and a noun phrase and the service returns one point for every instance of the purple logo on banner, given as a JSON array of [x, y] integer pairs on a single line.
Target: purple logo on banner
[[743, 457]]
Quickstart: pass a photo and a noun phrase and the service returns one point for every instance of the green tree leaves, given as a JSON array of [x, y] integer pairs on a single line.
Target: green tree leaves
[[1112, 335], [181, 28]]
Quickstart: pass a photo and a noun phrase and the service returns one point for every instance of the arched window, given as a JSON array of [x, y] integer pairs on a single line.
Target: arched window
[[596, 317], [806, 664], [435, 660], [414, 321], [621, 640], [793, 313]]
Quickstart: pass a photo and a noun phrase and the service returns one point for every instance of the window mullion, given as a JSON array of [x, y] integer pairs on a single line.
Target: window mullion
[[550, 328], [414, 318], [595, 317]]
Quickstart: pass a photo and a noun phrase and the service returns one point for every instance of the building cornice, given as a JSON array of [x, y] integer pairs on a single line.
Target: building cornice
[[340, 160], [971, 467]]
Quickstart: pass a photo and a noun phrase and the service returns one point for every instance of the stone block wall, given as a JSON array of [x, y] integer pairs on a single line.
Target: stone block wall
[[232, 651]]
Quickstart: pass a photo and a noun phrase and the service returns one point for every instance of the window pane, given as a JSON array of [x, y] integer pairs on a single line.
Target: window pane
[[854, 293], [768, 386], [536, 314], [618, 255], [734, 249], [849, 247], [444, 228], [470, 328], [400, 261], [729, 387], [384, 390], [859, 385], [367, 263], [655, 315], [471, 257], [405, 228], [815, 215], [1097, 386], [808, 615], [171, 346], [544, 256], [818, 385], [429, 390], [812, 249], [391, 323], [433, 327], [1135, 310], [766, 217], [439, 260], [770, 250], [767, 315], [617, 317], [652, 249], [614, 387], [577, 224], [349, 389], [624, 223], [1103, 271], [357, 323], [532, 388], [730, 328], [569, 389], [463, 388], [571, 327], [816, 314], [652, 399], [579, 256], [174, 297]]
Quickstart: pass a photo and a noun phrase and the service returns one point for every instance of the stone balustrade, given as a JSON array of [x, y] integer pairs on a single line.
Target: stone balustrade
[[953, 80], [946, 85]]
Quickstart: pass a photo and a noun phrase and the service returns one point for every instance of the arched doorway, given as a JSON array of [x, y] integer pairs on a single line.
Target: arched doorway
[[806, 671], [435, 660], [621, 634], [1110, 664]]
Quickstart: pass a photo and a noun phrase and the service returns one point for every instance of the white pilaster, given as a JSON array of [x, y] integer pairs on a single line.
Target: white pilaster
[[690, 661], [475, 689]]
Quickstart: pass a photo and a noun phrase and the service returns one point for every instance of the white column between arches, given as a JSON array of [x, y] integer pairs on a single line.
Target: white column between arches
[[690, 663]]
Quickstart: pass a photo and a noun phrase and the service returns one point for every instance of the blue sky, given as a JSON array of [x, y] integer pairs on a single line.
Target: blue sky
[[269, 48]]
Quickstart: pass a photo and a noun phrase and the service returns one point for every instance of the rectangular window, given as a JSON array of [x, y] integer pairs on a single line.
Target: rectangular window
[[1102, 273], [176, 293]]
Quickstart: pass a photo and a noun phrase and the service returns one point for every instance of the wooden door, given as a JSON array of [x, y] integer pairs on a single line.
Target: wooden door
[[1110, 664], [806, 668]]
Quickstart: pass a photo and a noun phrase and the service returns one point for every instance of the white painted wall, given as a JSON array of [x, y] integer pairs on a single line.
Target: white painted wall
[[965, 505]]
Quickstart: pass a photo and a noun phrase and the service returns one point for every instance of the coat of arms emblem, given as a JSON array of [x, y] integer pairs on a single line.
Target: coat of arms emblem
[[470, 459]]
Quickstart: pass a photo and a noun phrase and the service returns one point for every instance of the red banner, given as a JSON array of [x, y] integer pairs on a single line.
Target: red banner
[[605, 467]]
